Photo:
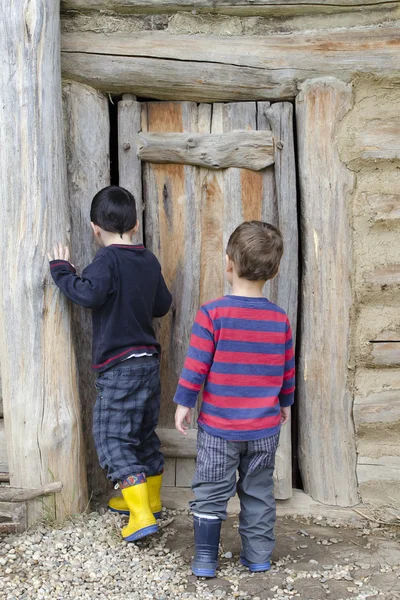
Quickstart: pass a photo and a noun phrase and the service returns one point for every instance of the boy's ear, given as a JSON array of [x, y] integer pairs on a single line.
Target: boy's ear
[[229, 264], [136, 228], [96, 229]]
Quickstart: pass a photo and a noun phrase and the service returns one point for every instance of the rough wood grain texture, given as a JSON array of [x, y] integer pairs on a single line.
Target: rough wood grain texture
[[385, 468], [174, 444], [386, 207], [185, 469], [87, 132], [172, 216], [327, 451], [16, 513], [239, 7], [217, 68], [284, 289], [130, 168], [4, 477], [381, 407], [13, 494], [242, 149], [385, 350], [40, 391], [3, 449], [380, 140], [169, 477], [384, 276]]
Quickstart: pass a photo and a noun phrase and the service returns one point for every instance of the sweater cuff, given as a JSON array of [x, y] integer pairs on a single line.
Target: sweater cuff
[[185, 397], [62, 264], [286, 399]]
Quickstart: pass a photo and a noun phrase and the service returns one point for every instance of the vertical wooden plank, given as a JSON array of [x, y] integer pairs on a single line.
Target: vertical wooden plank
[[130, 169], [172, 214], [169, 477], [87, 132], [38, 367], [327, 448], [284, 288], [185, 468]]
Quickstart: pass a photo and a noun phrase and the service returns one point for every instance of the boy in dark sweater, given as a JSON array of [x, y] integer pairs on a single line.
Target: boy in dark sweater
[[125, 290], [241, 349]]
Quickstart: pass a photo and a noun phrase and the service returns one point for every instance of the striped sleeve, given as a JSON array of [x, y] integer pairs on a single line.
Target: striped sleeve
[[286, 396], [198, 360]]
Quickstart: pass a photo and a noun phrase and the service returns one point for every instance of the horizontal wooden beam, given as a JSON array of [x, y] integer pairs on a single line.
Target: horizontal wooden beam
[[252, 150], [239, 7], [385, 350], [219, 68], [175, 445], [384, 276], [16, 494]]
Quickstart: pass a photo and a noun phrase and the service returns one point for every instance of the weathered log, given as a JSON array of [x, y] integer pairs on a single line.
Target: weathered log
[[386, 207], [16, 494], [252, 150], [385, 350], [3, 449], [130, 167], [240, 7], [378, 140], [378, 407], [87, 132], [327, 451], [214, 68], [41, 404], [384, 276]]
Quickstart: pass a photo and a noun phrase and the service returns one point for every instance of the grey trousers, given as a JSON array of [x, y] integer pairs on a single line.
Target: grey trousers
[[215, 482]]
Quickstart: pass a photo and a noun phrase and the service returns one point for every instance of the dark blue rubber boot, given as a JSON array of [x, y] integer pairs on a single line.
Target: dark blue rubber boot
[[206, 539], [255, 567]]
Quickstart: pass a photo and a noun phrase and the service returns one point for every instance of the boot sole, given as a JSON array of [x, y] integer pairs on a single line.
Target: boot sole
[[157, 515], [199, 572], [141, 533], [255, 567]]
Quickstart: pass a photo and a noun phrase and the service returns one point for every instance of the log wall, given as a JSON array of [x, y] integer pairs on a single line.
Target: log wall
[[368, 141]]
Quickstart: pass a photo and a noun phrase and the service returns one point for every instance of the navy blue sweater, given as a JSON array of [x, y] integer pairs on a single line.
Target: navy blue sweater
[[125, 289]]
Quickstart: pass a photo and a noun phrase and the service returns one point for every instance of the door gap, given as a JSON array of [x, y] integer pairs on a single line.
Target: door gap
[[113, 142], [296, 474]]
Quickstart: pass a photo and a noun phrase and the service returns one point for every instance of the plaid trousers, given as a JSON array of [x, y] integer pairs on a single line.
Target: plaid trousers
[[125, 417]]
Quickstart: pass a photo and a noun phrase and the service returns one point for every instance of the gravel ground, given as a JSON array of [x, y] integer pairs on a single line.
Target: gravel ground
[[86, 559]]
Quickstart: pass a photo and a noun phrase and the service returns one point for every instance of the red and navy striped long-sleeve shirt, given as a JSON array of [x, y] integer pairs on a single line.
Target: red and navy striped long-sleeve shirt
[[242, 349]]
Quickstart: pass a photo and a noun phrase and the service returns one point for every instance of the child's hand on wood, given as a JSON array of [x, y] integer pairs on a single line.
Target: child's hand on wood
[[183, 415], [285, 414], [60, 252]]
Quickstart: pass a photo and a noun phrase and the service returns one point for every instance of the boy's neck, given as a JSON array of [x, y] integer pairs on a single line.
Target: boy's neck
[[247, 288], [115, 238]]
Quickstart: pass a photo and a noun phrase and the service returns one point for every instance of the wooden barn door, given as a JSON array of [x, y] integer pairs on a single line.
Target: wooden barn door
[[189, 213]]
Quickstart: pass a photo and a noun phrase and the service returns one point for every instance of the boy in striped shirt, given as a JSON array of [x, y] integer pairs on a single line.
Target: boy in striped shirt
[[241, 349]]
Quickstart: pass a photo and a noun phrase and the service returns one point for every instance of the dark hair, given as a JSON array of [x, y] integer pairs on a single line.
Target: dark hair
[[114, 209], [256, 249]]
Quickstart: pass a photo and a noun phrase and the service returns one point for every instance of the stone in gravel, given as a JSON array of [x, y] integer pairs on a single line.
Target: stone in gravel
[[228, 555]]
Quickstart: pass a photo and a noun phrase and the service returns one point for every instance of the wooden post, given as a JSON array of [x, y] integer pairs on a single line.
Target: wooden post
[[130, 166], [41, 405], [87, 134], [327, 450]]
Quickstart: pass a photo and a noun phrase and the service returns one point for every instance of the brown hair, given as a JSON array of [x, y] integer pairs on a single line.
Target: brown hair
[[256, 249]]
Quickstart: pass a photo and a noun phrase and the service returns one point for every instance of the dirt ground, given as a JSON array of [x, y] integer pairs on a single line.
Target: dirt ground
[[313, 560]]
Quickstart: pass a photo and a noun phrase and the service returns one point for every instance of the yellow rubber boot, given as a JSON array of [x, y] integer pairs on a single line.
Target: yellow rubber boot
[[154, 483], [141, 520]]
